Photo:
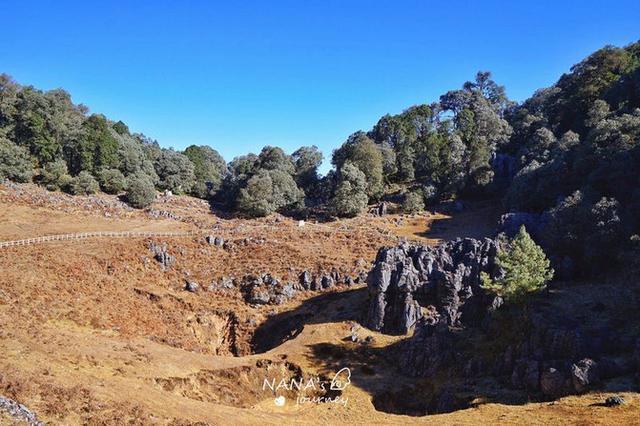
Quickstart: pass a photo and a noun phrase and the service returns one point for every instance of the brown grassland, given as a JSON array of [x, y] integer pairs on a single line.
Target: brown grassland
[[93, 332]]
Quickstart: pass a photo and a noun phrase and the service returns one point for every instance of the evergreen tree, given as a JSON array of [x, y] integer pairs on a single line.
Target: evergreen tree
[[524, 269]]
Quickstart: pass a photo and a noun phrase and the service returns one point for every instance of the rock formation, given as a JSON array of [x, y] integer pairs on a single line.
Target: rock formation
[[265, 289], [161, 255], [406, 278], [548, 352]]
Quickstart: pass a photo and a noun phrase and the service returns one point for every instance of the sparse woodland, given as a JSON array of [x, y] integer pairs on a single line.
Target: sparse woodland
[[569, 153]]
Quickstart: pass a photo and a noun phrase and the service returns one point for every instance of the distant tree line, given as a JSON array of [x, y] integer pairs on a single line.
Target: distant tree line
[[570, 153], [441, 149]]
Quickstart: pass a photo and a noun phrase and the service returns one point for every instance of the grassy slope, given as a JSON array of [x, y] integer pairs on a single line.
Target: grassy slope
[[90, 333]]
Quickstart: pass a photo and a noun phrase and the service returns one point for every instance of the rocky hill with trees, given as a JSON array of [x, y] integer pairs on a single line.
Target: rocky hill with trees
[[544, 307], [564, 159]]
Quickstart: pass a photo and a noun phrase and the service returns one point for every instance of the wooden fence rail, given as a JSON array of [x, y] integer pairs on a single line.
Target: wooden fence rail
[[98, 234]]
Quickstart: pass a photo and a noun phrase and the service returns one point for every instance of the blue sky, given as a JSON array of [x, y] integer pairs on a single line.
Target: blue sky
[[292, 73]]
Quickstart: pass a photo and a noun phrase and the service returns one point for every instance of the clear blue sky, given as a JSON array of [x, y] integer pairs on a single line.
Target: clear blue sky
[[291, 73]]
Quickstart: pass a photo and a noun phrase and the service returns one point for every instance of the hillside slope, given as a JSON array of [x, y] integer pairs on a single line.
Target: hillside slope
[[96, 332]]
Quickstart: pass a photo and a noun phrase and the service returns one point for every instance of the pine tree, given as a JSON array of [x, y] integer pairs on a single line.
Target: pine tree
[[525, 269]]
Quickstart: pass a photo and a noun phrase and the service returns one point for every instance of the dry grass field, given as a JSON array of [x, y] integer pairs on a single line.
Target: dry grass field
[[94, 332]]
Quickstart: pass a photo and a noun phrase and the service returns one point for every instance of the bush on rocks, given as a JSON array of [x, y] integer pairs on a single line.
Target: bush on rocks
[[112, 181], [140, 192], [55, 175], [84, 184]]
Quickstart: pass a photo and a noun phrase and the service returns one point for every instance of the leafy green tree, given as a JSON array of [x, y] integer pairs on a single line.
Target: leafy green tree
[[84, 184], [389, 161], [112, 181], [100, 140], [241, 168], [478, 111], [140, 191], [350, 197], [307, 159], [267, 192], [363, 153], [121, 128], [244, 165], [55, 175], [274, 158], [8, 99], [175, 171], [15, 162], [525, 270], [34, 127], [133, 158], [209, 170], [405, 160]]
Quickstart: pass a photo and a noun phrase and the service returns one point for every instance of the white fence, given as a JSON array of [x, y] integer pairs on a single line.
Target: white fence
[[86, 235]]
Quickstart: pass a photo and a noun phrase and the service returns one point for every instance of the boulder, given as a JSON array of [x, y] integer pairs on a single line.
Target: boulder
[[614, 401], [192, 286], [259, 296], [266, 289], [224, 284], [214, 240], [305, 279], [327, 281]]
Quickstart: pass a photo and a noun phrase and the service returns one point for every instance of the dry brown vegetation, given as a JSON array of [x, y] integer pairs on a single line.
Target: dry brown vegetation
[[94, 332]]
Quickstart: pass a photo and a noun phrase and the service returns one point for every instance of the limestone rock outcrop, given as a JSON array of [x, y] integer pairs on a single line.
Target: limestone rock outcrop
[[406, 278]]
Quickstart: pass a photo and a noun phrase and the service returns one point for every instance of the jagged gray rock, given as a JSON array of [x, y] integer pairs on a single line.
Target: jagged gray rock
[[192, 286], [429, 349], [266, 289], [614, 401], [305, 280], [161, 254], [583, 374], [19, 412], [214, 240], [225, 284], [407, 277], [327, 281]]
